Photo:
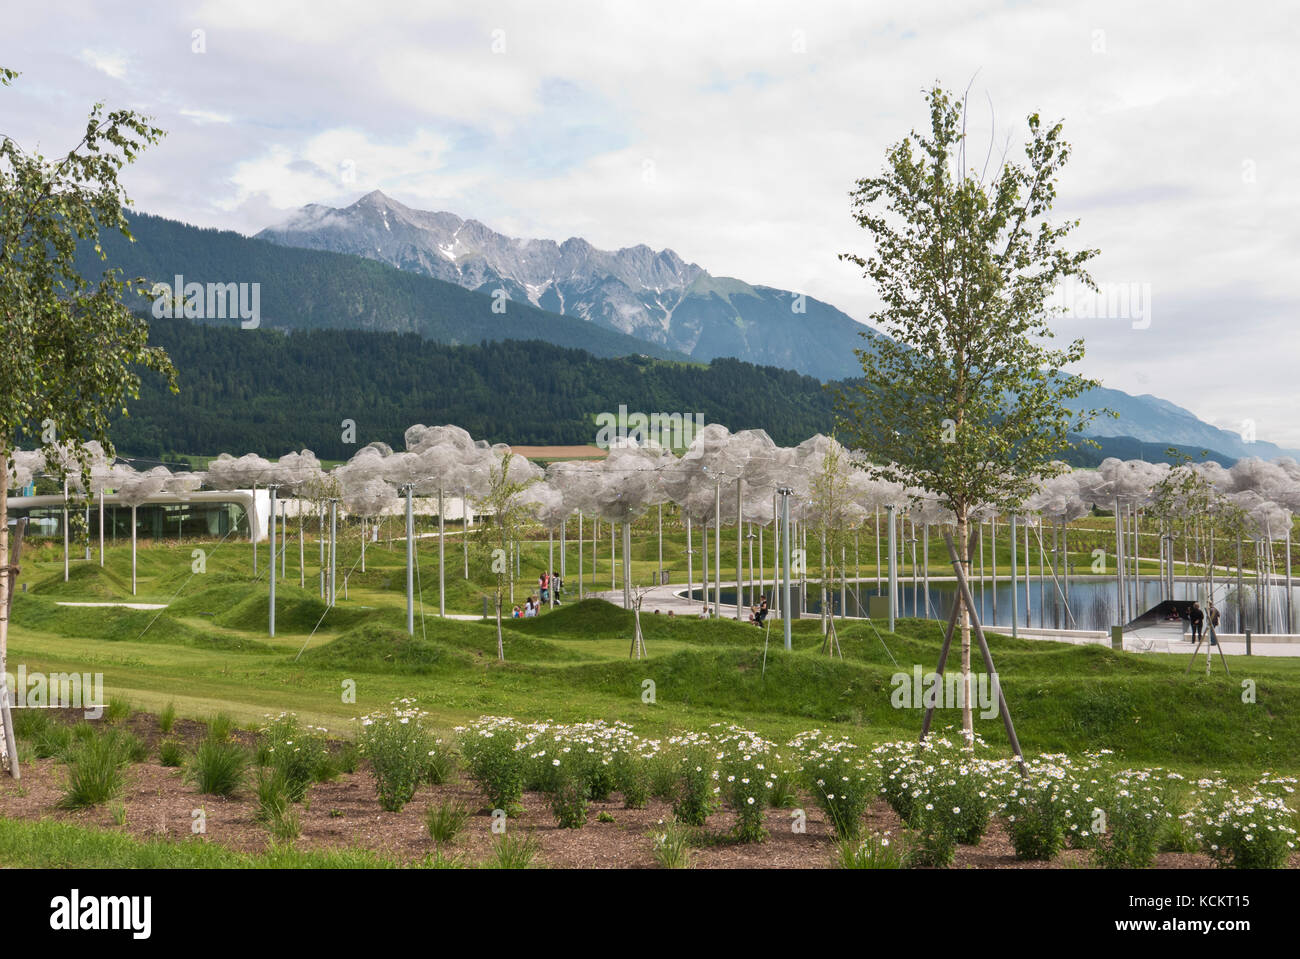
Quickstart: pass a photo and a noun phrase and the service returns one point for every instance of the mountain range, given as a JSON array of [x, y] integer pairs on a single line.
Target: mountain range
[[702, 317], [654, 296], [661, 299]]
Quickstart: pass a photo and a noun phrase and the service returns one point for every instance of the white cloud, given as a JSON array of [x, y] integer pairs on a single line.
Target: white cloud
[[111, 63], [758, 117]]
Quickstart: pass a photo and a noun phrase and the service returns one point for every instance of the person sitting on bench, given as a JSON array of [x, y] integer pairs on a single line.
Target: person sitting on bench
[[760, 614]]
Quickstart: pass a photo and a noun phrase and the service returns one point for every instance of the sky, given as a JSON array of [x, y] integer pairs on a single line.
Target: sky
[[733, 134]]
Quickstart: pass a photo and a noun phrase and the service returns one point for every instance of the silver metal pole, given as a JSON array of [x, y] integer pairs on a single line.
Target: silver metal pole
[[690, 563], [334, 521], [271, 577], [1015, 573], [785, 492], [1029, 574], [717, 548], [740, 555], [893, 566], [65, 529], [442, 546], [993, 529], [1289, 620], [1119, 563], [410, 560]]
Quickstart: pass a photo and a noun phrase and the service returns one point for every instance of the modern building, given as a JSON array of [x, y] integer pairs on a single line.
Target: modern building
[[206, 514]]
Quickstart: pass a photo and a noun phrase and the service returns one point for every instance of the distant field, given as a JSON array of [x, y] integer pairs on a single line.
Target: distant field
[[561, 452]]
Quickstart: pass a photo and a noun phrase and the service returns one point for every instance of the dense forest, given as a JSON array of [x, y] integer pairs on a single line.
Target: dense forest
[[268, 391]]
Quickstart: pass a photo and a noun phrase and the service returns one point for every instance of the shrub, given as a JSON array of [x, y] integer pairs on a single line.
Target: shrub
[[218, 768], [936, 827], [1251, 830], [663, 772], [632, 778], [696, 793], [840, 780], [167, 719], [1036, 817], [446, 820], [749, 767], [170, 753], [397, 745], [296, 750], [569, 802], [1133, 814], [118, 709], [348, 758], [94, 773], [494, 755]]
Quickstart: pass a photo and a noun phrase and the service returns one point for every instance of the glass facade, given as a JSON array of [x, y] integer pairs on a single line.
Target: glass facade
[[153, 521]]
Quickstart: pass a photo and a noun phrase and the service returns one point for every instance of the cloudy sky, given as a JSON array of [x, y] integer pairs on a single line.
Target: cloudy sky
[[732, 133]]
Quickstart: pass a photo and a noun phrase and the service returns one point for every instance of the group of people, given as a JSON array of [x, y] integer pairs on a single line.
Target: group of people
[[546, 583], [757, 614], [1196, 618]]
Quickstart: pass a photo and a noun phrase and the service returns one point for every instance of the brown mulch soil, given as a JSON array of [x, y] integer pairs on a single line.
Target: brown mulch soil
[[345, 813]]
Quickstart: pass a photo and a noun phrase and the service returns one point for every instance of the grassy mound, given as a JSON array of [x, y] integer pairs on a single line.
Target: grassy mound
[[87, 582], [119, 624], [383, 649], [296, 611]]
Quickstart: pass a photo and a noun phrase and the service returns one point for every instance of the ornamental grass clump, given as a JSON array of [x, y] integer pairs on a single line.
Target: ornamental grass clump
[[397, 744], [874, 851], [218, 767], [841, 780], [1248, 829], [296, 750]]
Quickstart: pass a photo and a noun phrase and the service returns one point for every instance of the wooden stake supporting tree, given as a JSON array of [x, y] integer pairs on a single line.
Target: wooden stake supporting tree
[[638, 650], [963, 586]]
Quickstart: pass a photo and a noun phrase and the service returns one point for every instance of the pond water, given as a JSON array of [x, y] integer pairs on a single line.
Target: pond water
[[1092, 601]]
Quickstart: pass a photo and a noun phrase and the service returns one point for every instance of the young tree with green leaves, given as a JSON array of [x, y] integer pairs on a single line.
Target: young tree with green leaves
[[829, 521], [72, 348], [964, 396], [499, 533]]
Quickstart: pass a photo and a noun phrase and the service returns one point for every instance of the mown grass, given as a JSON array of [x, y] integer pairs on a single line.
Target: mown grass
[[45, 845], [209, 653]]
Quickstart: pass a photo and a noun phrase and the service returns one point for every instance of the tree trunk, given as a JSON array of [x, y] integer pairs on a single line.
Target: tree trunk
[[963, 544]]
